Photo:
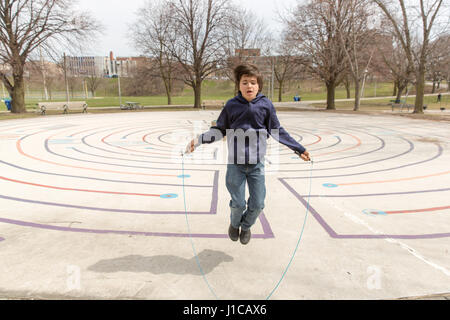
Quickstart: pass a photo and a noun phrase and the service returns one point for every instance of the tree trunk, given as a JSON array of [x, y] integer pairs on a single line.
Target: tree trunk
[[331, 90], [198, 94], [18, 95], [399, 92], [168, 88], [420, 89], [434, 87], [347, 88], [280, 91], [395, 88], [357, 95]]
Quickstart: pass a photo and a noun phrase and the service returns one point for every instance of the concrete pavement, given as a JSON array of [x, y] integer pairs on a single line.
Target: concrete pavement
[[93, 207]]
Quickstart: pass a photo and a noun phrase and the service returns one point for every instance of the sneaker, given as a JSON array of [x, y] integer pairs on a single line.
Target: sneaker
[[245, 236], [233, 233]]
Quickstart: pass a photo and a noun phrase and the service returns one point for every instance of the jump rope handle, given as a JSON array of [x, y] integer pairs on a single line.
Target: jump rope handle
[[299, 154]]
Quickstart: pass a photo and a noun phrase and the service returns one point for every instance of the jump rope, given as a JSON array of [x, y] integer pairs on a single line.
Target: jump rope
[[292, 256]]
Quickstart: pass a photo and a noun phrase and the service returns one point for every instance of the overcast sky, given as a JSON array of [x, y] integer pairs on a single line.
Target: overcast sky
[[116, 15]]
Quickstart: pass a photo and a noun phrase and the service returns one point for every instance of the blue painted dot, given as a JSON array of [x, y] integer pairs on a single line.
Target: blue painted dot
[[330, 185], [149, 148], [375, 212], [169, 196], [184, 176]]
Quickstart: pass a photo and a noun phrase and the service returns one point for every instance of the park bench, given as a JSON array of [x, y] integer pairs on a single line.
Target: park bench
[[407, 106], [397, 101], [129, 105], [42, 107], [401, 106], [213, 104]]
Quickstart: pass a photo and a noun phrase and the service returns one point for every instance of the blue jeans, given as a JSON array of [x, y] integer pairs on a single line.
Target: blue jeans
[[245, 214]]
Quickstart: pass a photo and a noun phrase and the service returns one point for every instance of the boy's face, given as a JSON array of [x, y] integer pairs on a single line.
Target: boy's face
[[249, 87]]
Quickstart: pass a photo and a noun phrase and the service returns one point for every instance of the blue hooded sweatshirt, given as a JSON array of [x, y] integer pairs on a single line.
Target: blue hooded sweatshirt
[[247, 126]]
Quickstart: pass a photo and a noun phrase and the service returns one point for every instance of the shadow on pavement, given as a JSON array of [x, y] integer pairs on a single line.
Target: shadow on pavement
[[208, 259]]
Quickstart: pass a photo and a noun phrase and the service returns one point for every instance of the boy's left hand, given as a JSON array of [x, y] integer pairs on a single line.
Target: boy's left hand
[[305, 156], [191, 146]]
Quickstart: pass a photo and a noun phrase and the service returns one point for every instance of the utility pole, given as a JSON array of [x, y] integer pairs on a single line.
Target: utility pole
[[273, 78], [364, 83], [65, 78], [43, 74], [85, 88], [120, 93]]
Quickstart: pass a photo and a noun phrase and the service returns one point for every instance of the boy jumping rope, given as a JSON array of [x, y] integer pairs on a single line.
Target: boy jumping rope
[[247, 120]]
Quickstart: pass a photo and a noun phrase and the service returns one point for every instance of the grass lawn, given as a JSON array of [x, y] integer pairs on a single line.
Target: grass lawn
[[383, 104], [224, 90]]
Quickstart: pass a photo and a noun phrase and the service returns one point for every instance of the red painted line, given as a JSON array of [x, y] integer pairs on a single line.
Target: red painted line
[[395, 180], [418, 210], [352, 147], [151, 153], [319, 138], [144, 138], [19, 148], [81, 190]]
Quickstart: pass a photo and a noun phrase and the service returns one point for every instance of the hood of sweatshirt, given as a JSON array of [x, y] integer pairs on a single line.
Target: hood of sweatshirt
[[241, 98]]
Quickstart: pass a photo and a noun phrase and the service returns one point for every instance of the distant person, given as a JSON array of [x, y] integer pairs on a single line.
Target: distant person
[[247, 120], [439, 96]]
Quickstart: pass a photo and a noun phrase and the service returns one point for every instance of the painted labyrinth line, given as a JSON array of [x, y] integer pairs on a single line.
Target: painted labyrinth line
[[141, 161], [55, 141]]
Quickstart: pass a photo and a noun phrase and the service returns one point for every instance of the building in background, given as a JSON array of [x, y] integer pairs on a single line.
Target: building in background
[[109, 67], [85, 66]]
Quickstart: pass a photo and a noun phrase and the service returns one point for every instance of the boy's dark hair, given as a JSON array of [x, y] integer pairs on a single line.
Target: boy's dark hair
[[248, 70]]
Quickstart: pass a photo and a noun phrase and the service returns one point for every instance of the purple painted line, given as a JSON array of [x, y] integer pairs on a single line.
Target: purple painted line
[[383, 144], [395, 236], [102, 209], [439, 153], [334, 235], [215, 194], [313, 211], [2, 239], [377, 194], [265, 235], [107, 180], [266, 226], [83, 140], [102, 156]]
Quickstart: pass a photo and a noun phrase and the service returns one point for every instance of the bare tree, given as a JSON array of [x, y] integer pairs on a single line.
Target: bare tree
[[93, 82], [438, 61], [27, 24], [445, 43], [245, 31], [314, 27], [199, 39], [394, 57], [151, 35], [357, 40], [405, 20], [285, 64]]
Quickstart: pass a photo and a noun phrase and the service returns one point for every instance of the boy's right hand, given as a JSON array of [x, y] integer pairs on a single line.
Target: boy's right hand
[[305, 156], [191, 146]]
